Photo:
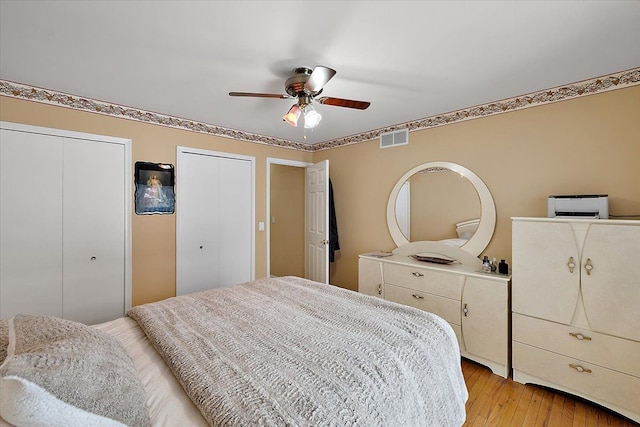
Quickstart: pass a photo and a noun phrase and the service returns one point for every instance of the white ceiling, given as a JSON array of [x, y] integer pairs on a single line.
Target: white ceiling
[[410, 59]]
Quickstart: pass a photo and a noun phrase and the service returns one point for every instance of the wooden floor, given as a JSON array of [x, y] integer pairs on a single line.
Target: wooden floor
[[495, 401]]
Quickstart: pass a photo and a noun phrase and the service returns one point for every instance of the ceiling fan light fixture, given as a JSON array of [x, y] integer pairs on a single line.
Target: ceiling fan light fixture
[[292, 116], [311, 117]]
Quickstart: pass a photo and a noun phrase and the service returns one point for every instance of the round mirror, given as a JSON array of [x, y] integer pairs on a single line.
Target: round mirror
[[442, 201]]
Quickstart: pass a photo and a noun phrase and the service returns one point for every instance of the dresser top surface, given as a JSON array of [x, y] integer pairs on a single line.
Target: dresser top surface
[[453, 268]]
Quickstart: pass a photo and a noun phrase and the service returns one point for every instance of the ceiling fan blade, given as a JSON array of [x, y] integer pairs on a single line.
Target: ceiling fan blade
[[318, 78], [260, 95], [339, 102]]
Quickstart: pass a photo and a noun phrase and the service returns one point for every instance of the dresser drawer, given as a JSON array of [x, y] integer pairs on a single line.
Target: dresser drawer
[[447, 308], [600, 384], [600, 349], [423, 280]]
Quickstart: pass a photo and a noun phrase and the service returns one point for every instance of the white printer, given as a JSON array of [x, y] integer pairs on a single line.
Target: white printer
[[579, 206]]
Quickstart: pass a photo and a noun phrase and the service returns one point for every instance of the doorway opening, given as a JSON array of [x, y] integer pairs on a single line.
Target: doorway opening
[[286, 217]]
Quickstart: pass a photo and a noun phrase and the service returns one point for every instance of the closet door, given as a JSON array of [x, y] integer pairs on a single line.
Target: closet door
[[235, 221], [198, 241], [214, 222], [94, 227], [30, 224]]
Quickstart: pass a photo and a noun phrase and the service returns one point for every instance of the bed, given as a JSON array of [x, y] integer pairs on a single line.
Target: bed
[[465, 230], [277, 351]]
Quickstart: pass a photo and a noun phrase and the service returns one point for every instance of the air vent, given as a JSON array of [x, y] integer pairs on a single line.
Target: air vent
[[392, 139]]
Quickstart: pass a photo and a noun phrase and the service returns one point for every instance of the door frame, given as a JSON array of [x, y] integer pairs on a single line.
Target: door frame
[[284, 162], [181, 151]]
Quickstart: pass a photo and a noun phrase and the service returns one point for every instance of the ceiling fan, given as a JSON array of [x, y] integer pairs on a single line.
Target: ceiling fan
[[305, 85]]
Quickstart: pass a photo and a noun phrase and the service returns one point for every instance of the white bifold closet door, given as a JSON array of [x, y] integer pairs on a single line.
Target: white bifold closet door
[[30, 224], [94, 231], [63, 224], [215, 214]]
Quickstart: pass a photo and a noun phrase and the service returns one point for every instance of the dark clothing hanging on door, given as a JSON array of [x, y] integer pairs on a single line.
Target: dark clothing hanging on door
[[334, 244]]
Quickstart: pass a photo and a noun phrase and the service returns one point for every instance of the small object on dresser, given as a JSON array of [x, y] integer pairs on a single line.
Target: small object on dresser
[[503, 267], [379, 254], [435, 259], [494, 265], [486, 265]]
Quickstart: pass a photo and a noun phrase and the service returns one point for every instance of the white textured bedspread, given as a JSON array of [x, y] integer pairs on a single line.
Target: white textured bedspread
[[291, 352]]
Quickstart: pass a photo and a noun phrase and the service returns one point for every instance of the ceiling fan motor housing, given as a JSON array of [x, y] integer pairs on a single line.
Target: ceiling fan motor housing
[[295, 85]]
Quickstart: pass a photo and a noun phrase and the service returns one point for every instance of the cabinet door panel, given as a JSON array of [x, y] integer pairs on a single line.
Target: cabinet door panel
[[542, 283], [94, 231], [30, 224], [612, 291], [370, 277], [484, 326]]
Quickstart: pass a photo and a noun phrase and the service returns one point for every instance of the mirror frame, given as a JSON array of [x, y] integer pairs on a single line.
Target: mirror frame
[[481, 238]]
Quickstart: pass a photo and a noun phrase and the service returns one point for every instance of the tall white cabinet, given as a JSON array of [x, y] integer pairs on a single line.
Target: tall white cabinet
[[215, 216], [576, 308], [64, 224]]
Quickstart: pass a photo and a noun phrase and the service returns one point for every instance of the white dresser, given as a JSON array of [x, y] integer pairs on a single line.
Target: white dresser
[[475, 304], [576, 308]]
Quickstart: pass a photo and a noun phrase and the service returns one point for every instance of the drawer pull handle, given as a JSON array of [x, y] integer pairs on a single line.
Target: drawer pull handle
[[579, 336], [465, 310], [417, 274], [580, 368], [571, 264], [380, 289], [588, 266], [418, 296]]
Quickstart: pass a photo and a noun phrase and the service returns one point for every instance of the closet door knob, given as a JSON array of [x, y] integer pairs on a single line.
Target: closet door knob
[[588, 266], [465, 310], [571, 264]]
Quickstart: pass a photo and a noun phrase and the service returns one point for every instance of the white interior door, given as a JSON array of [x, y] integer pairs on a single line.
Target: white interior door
[[317, 222]]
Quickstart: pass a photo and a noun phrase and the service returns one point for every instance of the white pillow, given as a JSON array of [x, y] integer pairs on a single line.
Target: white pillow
[[33, 406], [59, 372]]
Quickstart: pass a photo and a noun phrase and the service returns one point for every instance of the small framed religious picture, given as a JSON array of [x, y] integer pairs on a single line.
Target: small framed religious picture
[[154, 188]]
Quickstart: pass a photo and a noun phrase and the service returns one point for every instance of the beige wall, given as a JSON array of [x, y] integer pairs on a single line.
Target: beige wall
[[440, 200], [287, 232], [585, 145], [581, 146], [154, 236]]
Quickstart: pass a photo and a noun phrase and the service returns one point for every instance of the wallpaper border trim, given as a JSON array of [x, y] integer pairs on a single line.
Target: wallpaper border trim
[[586, 87]]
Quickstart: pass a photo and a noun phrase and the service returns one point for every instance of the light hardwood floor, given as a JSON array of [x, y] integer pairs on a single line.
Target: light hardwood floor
[[496, 401]]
